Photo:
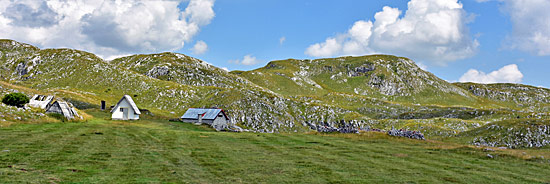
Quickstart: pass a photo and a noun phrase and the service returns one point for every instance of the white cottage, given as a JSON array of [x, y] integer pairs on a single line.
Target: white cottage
[[125, 109]]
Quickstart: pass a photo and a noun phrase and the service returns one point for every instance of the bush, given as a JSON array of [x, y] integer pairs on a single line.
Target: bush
[[15, 99]]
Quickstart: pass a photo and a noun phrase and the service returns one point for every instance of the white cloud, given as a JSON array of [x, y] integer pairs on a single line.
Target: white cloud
[[531, 25], [282, 40], [225, 68], [107, 28], [430, 30], [328, 48], [247, 60], [200, 47], [422, 66], [506, 74]]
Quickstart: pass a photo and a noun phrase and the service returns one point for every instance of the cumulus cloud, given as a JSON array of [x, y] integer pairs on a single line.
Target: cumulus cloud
[[506, 74], [430, 30], [32, 14], [107, 28], [247, 60], [531, 25], [200, 47]]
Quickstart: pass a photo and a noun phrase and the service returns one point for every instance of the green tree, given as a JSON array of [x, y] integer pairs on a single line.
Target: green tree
[[15, 99]]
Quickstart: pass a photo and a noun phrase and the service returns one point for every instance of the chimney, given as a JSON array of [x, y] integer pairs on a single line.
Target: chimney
[[102, 105], [200, 118]]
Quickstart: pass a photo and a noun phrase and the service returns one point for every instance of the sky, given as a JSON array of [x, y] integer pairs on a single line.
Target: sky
[[485, 41]]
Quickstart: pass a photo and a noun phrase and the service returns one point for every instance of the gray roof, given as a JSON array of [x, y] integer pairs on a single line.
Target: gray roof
[[192, 113], [64, 108], [134, 106]]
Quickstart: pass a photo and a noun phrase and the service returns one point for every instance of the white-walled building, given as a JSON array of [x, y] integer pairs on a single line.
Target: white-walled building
[[214, 117], [125, 109]]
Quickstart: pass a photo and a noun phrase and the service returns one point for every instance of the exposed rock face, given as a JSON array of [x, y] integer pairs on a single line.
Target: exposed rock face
[[21, 69], [158, 71], [532, 136], [360, 71], [534, 98]]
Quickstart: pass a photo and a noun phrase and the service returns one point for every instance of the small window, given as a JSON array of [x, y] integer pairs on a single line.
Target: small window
[[121, 110], [220, 115]]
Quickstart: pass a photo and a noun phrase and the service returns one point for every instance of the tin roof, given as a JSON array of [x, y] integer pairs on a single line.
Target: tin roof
[[192, 113]]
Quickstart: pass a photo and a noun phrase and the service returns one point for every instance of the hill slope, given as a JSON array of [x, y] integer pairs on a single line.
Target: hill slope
[[371, 91], [378, 76]]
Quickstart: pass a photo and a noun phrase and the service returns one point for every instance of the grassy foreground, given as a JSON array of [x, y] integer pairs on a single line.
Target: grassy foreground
[[153, 151]]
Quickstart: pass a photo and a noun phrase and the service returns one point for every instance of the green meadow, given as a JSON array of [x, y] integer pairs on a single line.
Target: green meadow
[[159, 151]]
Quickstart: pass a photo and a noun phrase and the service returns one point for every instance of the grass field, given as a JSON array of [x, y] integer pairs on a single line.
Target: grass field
[[159, 151]]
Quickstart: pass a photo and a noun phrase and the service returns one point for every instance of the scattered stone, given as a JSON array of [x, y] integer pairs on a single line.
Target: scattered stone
[[407, 134], [489, 156], [344, 127]]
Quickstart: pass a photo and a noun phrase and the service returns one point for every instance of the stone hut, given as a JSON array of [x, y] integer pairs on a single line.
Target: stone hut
[[213, 117], [64, 109]]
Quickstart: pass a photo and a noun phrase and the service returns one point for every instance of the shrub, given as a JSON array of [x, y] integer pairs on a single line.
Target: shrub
[[15, 99]]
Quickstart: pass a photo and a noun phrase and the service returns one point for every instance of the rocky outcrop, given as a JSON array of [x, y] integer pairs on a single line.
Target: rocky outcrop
[[517, 93], [159, 71], [520, 134]]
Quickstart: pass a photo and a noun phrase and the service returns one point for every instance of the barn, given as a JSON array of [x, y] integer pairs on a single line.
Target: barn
[[125, 109], [214, 117]]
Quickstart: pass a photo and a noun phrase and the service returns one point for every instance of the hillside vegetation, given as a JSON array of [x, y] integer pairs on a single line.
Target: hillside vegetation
[[377, 91]]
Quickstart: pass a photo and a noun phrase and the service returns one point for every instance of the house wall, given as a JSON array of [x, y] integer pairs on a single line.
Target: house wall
[[220, 123], [205, 121], [118, 115]]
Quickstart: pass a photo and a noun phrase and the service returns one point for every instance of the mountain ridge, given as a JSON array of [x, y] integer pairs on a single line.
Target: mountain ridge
[[378, 91]]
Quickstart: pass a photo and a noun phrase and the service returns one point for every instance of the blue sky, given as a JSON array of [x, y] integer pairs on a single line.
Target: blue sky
[[471, 40]]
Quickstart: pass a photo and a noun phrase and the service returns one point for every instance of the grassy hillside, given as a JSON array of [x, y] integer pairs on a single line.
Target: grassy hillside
[[378, 76], [181, 69], [516, 96], [160, 151], [378, 91], [85, 79]]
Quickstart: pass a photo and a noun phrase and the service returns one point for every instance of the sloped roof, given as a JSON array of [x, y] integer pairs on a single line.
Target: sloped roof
[[192, 113], [40, 101], [64, 108], [130, 101]]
